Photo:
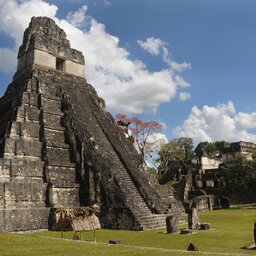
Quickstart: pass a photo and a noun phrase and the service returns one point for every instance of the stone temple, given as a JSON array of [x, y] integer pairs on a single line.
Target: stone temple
[[60, 148]]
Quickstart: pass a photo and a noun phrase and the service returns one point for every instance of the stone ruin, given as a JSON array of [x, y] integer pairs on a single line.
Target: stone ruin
[[60, 148]]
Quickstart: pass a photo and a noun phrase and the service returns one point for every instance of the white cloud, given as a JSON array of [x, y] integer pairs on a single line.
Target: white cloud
[[180, 67], [246, 120], [183, 96], [126, 85], [155, 141], [153, 146], [181, 82], [156, 46], [78, 17], [152, 45], [15, 16], [107, 2], [8, 60], [220, 122]]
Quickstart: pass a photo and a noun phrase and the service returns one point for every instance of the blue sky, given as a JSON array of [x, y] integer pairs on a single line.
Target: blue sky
[[187, 63]]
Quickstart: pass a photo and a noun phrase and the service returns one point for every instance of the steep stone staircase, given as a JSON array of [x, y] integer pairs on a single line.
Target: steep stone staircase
[[145, 219]]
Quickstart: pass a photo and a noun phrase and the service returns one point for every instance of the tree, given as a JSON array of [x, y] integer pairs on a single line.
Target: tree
[[178, 153], [139, 132], [210, 149], [240, 179], [186, 144]]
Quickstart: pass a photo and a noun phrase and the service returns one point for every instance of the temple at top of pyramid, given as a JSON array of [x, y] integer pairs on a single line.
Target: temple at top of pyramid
[[59, 148], [45, 45]]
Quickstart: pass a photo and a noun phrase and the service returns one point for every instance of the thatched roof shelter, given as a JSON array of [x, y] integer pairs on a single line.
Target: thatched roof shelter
[[78, 219]]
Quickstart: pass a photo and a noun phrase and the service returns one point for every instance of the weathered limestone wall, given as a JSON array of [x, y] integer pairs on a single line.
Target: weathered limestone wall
[[44, 59], [47, 60], [74, 68], [24, 219], [208, 163]]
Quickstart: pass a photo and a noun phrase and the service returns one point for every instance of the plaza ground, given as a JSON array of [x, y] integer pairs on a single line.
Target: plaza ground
[[231, 230]]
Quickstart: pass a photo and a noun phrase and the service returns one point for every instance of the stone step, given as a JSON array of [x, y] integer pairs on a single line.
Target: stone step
[[52, 121], [23, 147], [58, 175], [25, 129], [57, 155], [55, 138], [50, 106], [28, 113], [30, 98], [62, 165], [65, 196], [47, 91], [63, 183]]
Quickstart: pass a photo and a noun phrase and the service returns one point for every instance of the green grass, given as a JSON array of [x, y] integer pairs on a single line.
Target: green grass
[[231, 230]]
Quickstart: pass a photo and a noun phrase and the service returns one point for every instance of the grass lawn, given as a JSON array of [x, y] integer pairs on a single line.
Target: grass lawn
[[231, 230]]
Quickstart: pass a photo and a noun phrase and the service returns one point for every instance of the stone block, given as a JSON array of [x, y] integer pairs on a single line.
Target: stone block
[[15, 129], [50, 106], [30, 129], [62, 176], [20, 117], [64, 197], [25, 98], [186, 231], [2, 196], [52, 122], [33, 85], [192, 247], [25, 194], [63, 183], [28, 147], [9, 146], [32, 113], [54, 138], [24, 219], [5, 166], [171, 224], [57, 156], [30, 98], [74, 68], [205, 226], [47, 90], [114, 241], [27, 168], [193, 219], [44, 58]]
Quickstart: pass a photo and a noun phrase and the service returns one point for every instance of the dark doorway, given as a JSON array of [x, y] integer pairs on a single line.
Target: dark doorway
[[60, 64]]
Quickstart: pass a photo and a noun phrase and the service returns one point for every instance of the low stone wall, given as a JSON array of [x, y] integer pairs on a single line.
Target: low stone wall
[[24, 219]]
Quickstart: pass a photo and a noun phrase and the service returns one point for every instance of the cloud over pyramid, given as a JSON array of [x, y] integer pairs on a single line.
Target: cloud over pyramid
[[60, 148]]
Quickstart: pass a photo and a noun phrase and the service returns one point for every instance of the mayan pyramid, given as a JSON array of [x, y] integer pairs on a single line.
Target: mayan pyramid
[[60, 148]]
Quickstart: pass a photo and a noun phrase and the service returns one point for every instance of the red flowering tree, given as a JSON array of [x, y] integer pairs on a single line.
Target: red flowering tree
[[138, 131]]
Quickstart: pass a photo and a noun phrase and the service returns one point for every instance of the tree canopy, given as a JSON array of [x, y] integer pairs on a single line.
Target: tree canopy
[[240, 179], [178, 152], [211, 149], [139, 132]]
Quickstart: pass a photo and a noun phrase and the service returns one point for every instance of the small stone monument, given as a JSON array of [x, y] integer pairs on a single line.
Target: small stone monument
[[193, 219], [114, 241], [171, 224], [186, 231], [205, 226], [192, 247]]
